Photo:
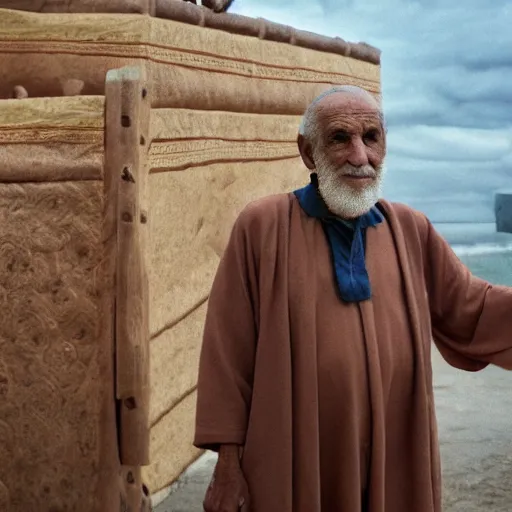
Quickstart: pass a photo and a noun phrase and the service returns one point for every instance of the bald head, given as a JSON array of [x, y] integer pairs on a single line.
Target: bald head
[[309, 125]]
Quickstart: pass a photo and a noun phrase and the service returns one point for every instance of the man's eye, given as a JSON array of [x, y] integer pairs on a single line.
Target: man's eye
[[371, 136], [341, 137]]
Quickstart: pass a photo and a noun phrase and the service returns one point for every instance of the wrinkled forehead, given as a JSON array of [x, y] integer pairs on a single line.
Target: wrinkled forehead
[[348, 112]]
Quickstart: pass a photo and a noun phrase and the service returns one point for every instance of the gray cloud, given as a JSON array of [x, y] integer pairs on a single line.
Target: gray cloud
[[446, 74], [449, 143]]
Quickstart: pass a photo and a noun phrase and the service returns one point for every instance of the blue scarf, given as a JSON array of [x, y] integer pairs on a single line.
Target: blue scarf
[[347, 242]]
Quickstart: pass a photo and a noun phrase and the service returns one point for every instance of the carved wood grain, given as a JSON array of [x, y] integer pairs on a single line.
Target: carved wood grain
[[127, 127]]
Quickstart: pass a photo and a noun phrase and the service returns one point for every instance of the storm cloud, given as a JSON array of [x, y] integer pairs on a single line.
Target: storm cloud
[[447, 93]]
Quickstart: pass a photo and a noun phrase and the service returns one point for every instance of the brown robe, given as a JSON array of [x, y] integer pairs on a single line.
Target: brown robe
[[330, 399]]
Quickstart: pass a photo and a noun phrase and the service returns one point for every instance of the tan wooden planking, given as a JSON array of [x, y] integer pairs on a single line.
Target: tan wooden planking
[[192, 213], [208, 69], [174, 124], [57, 425], [214, 89], [171, 449], [52, 139], [175, 361], [178, 282], [169, 40], [74, 6], [183, 154], [84, 113], [127, 125], [39, 162]]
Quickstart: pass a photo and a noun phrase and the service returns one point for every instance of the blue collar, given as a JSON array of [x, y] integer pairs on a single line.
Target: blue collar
[[312, 203]]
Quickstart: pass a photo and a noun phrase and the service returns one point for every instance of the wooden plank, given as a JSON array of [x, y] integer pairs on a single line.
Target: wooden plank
[[51, 139], [134, 494], [178, 348], [82, 6], [204, 202], [42, 163], [127, 126], [57, 416], [172, 449]]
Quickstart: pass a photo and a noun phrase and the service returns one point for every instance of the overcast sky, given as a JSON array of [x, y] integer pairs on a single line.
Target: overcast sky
[[447, 92]]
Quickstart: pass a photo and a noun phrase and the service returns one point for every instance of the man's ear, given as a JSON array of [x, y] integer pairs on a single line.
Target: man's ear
[[306, 152]]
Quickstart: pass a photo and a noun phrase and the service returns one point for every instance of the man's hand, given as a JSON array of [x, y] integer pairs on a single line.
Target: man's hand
[[228, 491]]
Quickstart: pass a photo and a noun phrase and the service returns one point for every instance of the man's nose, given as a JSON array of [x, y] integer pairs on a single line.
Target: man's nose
[[358, 155]]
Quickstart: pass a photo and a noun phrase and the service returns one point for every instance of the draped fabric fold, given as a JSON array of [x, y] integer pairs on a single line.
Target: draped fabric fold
[[338, 407]]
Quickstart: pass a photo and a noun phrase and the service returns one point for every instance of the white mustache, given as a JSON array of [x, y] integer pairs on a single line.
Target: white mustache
[[359, 172]]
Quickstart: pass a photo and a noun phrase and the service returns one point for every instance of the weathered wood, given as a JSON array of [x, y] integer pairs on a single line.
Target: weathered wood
[[51, 139], [57, 415], [52, 162], [127, 126], [74, 6], [135, 495]]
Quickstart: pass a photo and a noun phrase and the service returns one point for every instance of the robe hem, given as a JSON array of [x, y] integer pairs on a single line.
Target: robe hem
[[213, 440]]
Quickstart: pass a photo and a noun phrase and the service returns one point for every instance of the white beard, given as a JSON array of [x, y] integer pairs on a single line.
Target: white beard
[[341, 199]]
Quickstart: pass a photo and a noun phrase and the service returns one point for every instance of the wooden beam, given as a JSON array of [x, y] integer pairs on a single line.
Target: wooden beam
[[127, 129]]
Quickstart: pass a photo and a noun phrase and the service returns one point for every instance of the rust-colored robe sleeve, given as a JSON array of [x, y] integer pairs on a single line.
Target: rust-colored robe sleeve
[[471, 319], [229, 343]]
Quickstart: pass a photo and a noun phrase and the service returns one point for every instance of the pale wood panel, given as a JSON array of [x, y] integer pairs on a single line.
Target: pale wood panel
[[191, 216], [175, 362], [171, 449]]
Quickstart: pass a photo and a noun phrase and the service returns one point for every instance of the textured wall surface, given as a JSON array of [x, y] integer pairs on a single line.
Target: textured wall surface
[[226, 110], [52, 375], [187, 66], [51, 139], [187, 11], [57, 425], [205, 167], [74, 6]]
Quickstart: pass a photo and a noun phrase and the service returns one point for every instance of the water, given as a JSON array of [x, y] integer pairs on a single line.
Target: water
[[485, 252], [474, 410]]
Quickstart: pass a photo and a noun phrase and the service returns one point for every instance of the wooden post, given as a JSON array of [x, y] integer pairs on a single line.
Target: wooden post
[[126, 142]]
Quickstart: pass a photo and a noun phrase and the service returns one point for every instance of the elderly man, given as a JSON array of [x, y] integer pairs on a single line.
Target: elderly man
[[315, 381]]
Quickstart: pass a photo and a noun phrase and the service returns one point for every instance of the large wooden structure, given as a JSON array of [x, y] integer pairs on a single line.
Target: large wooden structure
[[147, 127]]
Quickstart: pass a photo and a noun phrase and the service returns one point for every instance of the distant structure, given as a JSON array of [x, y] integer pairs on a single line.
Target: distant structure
[[503, 211]]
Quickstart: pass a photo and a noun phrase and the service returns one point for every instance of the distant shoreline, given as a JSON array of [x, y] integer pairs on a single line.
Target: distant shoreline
[[462, 222]]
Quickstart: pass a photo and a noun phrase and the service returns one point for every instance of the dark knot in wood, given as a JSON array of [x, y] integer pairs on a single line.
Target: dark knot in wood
[[127, 175], [130, 403]]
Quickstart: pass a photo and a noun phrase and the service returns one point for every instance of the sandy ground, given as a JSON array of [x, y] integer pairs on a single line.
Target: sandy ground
[[475, 429]]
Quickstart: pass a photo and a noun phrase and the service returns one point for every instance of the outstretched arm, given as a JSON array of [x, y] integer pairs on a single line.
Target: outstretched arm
[[471, 319]]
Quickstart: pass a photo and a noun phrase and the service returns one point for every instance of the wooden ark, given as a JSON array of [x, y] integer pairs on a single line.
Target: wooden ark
[[147, 127]]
